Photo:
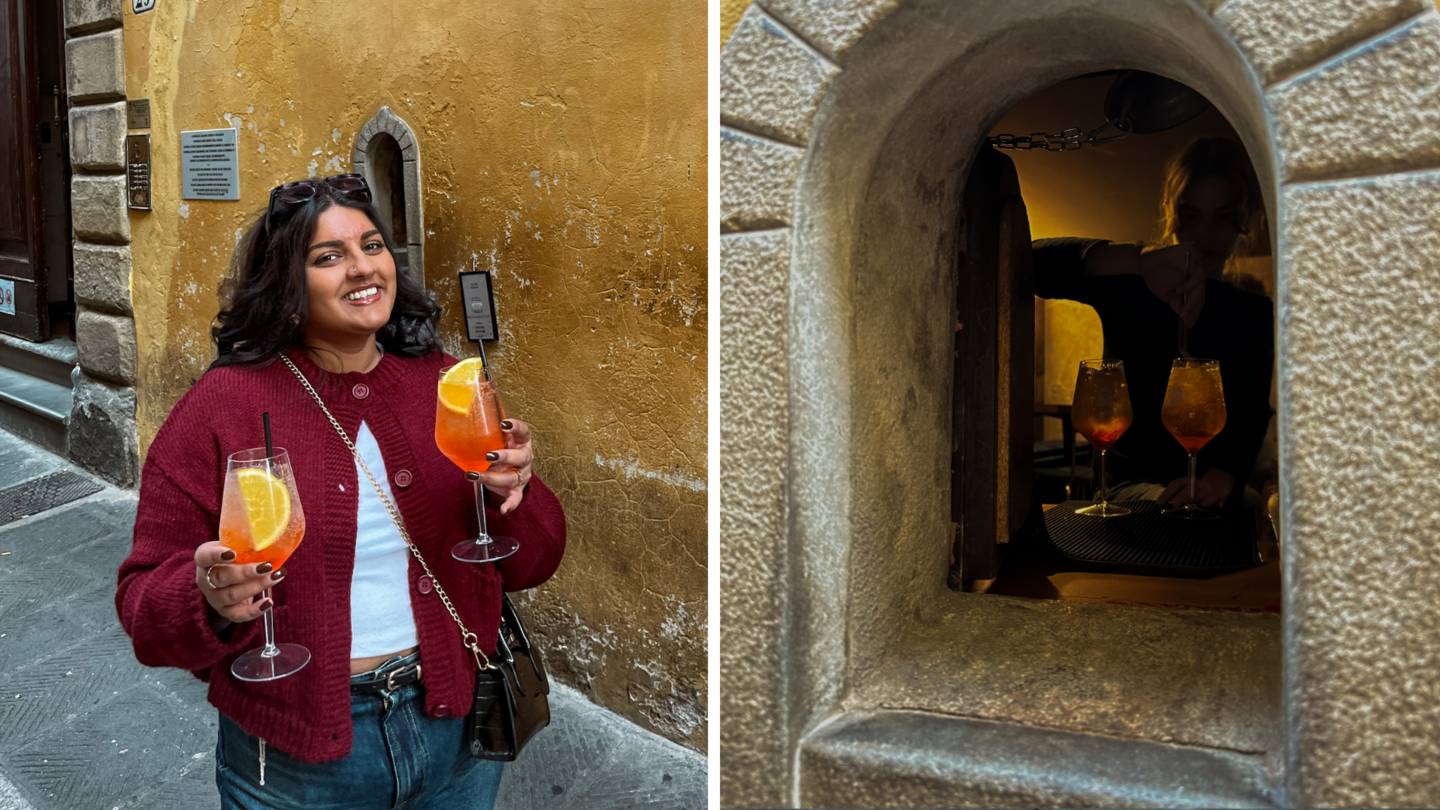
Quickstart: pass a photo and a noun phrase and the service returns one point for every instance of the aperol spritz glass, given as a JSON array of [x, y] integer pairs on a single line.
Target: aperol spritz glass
[[1194, 412], [261, 521], [1102, 413], [467, 427]]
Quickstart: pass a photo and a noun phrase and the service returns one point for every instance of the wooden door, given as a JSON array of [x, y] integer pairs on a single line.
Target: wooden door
[[23, 298], [993, 423]]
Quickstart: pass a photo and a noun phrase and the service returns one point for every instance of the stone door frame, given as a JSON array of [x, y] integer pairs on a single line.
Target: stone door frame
[[846, 128], [102, 434]]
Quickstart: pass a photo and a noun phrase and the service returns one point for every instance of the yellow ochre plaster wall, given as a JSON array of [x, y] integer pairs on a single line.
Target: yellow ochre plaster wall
[[563, 148]]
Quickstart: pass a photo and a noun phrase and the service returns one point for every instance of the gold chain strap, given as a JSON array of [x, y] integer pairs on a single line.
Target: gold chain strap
[[469, 639]]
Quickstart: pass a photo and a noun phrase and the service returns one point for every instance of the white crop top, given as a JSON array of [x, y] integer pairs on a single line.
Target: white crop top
[[380, 617]]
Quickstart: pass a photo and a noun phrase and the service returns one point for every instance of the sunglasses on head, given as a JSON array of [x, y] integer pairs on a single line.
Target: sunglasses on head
[[289, 195]]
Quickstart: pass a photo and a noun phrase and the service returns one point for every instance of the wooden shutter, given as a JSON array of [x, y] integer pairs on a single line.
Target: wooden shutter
[[993, 425]]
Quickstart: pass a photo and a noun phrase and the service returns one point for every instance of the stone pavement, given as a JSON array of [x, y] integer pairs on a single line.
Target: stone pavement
[[83, 726]]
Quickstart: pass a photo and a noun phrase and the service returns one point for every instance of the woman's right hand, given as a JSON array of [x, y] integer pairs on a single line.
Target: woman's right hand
[[236, 586], [1173, 275]]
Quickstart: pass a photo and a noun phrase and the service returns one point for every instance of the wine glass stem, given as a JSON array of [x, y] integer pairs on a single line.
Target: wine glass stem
[[1104, 489], [480, 512], [1192, 481], [270, 650]]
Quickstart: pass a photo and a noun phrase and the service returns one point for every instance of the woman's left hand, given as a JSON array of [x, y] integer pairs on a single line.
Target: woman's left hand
[[510, 469], [1211, 489]]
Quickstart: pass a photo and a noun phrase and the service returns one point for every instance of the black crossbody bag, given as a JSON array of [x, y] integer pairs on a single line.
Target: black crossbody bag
[[512, 700]]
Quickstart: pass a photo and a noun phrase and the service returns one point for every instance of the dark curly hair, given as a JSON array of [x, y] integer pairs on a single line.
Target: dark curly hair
[[265, 299]]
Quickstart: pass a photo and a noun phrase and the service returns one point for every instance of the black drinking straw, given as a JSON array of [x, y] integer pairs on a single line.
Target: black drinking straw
[[269, 445], [484, 364]]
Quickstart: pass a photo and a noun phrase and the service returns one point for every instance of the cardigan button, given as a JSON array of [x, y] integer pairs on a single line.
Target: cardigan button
[[425, 585], [361, 391], [442, 710], [403, 478]]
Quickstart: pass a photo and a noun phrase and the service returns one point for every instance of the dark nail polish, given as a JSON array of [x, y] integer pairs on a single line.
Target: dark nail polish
[[267, 606], [492, 456], [264, 568], [506, 424], [278, 575], [227, 555]]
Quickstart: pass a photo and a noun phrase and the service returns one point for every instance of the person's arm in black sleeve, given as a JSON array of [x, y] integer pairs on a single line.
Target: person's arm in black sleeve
[[1060, 267], [1247, 399]]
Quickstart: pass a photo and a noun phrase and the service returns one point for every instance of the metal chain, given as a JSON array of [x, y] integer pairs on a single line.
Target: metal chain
[[1066, 141], [469, 639]]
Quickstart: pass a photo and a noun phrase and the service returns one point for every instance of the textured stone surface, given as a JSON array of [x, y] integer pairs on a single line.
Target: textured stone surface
[[870, 281], [95, 67], [1185, 677], [909, 759], [1282, 38], [754, 734], [89, 15], [831, 25], [1361, 387], [107, 345], [1374, 110], [757, 181], [1358, 408], [102, 276], [770, 81], [97, 208], [97, 136], [103, 436]]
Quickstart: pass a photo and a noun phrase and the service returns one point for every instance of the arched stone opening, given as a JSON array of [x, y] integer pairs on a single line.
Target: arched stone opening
[[387, 153], [849, 131]]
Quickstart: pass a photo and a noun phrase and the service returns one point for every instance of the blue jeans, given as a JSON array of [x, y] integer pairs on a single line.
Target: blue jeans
[[400, 759]]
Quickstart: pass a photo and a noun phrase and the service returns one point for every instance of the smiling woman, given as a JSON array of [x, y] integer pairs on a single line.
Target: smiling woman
[[315, 286]]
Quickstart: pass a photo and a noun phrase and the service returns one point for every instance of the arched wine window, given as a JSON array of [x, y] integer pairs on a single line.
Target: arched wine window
[[387, 153]]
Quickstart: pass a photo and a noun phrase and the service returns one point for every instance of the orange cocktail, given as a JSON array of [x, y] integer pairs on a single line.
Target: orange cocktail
[[1101, 412], [467, 428], [1194, 409], [1194, 412], [261, 521], [467, 419], [260, 516]]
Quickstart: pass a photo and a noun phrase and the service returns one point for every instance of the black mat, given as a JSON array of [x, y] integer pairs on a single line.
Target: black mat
[[46, 492], [1147, 542]]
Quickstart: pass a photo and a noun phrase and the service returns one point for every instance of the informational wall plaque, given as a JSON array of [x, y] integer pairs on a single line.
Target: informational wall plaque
[[210, 164], [137, 113], [137, 171], [478, 298], [7, 297], [142, 6]]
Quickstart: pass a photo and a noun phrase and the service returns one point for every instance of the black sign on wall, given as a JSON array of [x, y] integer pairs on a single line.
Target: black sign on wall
[[478, 298]]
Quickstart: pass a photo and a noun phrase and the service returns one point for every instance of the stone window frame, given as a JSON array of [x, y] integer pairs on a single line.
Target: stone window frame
[[818, 619], [387, 122]]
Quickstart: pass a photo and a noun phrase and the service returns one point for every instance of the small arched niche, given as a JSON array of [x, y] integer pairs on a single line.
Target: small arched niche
[[388, 155]]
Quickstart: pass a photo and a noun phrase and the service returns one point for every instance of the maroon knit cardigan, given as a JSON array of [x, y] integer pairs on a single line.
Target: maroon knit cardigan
[[308, 714]]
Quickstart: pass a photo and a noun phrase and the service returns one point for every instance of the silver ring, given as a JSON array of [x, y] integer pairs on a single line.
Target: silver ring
[[519, 482], [208, 572]]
